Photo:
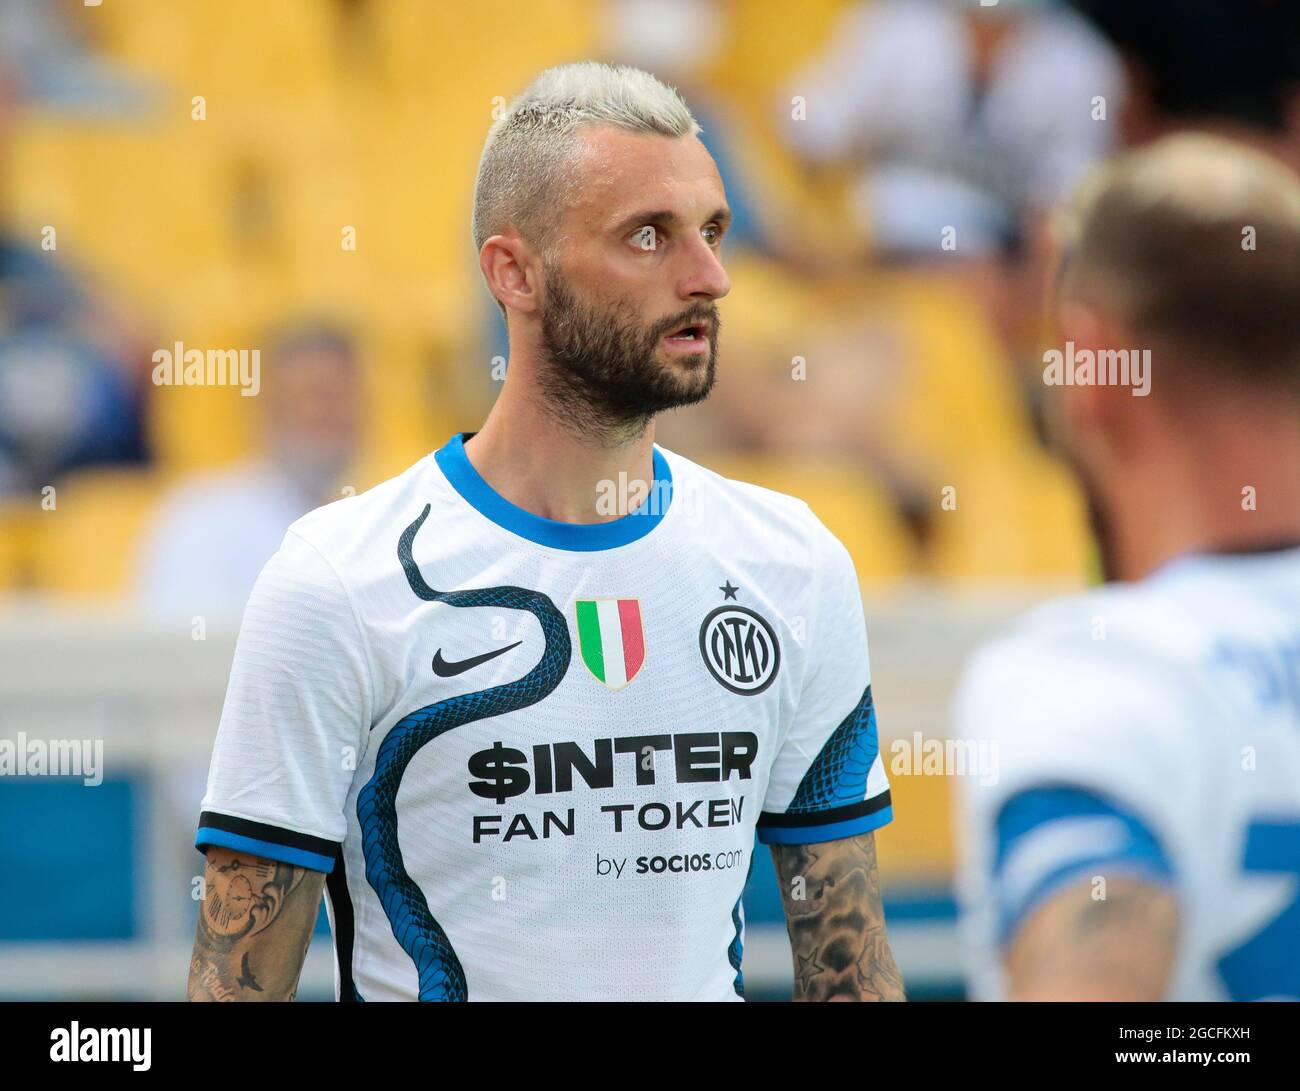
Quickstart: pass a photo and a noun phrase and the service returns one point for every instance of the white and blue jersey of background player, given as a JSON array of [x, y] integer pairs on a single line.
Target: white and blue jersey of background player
[[1148, 729]]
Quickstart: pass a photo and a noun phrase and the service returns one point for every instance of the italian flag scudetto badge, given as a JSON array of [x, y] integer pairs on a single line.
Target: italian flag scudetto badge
[[611, 639]]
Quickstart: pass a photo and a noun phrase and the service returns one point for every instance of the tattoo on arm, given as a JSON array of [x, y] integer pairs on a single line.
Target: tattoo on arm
[[1077, 947], [835, 920], [255, 923]]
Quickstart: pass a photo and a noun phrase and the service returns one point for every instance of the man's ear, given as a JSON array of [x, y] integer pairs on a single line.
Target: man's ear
[[1092, 412], [507, 263]]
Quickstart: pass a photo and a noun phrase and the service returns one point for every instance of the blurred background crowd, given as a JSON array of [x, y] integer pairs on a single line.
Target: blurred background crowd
[[295, 176]]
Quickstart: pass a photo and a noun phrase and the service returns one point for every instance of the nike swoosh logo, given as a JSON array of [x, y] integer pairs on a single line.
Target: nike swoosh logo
[[443, 669]]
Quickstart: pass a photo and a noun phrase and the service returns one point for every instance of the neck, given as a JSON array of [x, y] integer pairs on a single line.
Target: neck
[[1218, 491], [554, 468]]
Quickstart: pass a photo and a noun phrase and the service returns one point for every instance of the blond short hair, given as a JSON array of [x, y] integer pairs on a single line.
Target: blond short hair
[[525, 172], [1194, 242]]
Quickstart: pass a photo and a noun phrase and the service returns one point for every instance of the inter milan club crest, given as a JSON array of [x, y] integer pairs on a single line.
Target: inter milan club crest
[[611, 639], [739, 647]]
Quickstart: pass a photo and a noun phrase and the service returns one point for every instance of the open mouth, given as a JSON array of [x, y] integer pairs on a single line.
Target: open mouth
[[693, 333]]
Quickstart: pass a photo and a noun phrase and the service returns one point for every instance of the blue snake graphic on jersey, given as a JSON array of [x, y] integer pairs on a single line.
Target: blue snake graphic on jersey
[[441, 976]]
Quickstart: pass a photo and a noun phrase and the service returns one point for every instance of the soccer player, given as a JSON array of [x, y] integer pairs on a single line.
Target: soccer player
[[522, 709], [1142, 840]]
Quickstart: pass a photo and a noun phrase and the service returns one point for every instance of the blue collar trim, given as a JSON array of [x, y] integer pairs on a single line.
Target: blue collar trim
[[580, 537]]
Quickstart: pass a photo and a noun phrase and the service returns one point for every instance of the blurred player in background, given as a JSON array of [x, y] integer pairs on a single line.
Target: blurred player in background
[[1142, 840], [564, 830], [956, 116], [214, 533]]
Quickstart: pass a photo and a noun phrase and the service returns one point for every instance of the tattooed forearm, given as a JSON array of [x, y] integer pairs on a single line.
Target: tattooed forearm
[[255, 923], [1076, 947], [835, 920]]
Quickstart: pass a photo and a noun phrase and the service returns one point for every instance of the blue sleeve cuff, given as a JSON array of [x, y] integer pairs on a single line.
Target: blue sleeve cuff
[[810, 828], [1051, 837], [269, 842]]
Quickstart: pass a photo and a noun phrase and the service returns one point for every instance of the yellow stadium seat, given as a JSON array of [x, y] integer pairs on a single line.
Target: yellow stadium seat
[[86, 546], [917, 848], [17, 519], [766, 43], [1016, 519], [235, 51], [958, 399], [469, 53], [849, 502], [138, 206]]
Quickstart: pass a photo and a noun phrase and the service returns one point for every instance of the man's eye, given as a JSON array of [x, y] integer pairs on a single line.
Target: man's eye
[[712, 234], [647, 238]]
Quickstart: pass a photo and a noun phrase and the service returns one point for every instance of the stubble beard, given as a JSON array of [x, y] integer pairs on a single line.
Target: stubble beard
[[603, 373]]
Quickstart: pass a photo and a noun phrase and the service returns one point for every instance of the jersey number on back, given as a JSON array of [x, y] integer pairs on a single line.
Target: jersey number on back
[[1267, 966]]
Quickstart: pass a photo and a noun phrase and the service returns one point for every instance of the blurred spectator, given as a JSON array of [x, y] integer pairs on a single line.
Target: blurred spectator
[[958, 115], [67, 398], [214, 533], [71, 384], [50, 63]]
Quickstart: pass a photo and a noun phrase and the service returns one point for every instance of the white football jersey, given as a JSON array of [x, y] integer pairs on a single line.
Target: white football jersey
[[1148, 729], [532, 756]]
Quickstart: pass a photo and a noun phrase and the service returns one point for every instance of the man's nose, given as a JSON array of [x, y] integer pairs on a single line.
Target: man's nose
[[705, 277]]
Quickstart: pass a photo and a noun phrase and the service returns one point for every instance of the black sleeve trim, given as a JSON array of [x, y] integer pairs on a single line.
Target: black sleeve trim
[[768, 820], [262, 831]]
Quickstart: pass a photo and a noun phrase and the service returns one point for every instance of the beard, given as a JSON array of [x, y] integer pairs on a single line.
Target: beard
[[601, 368]]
